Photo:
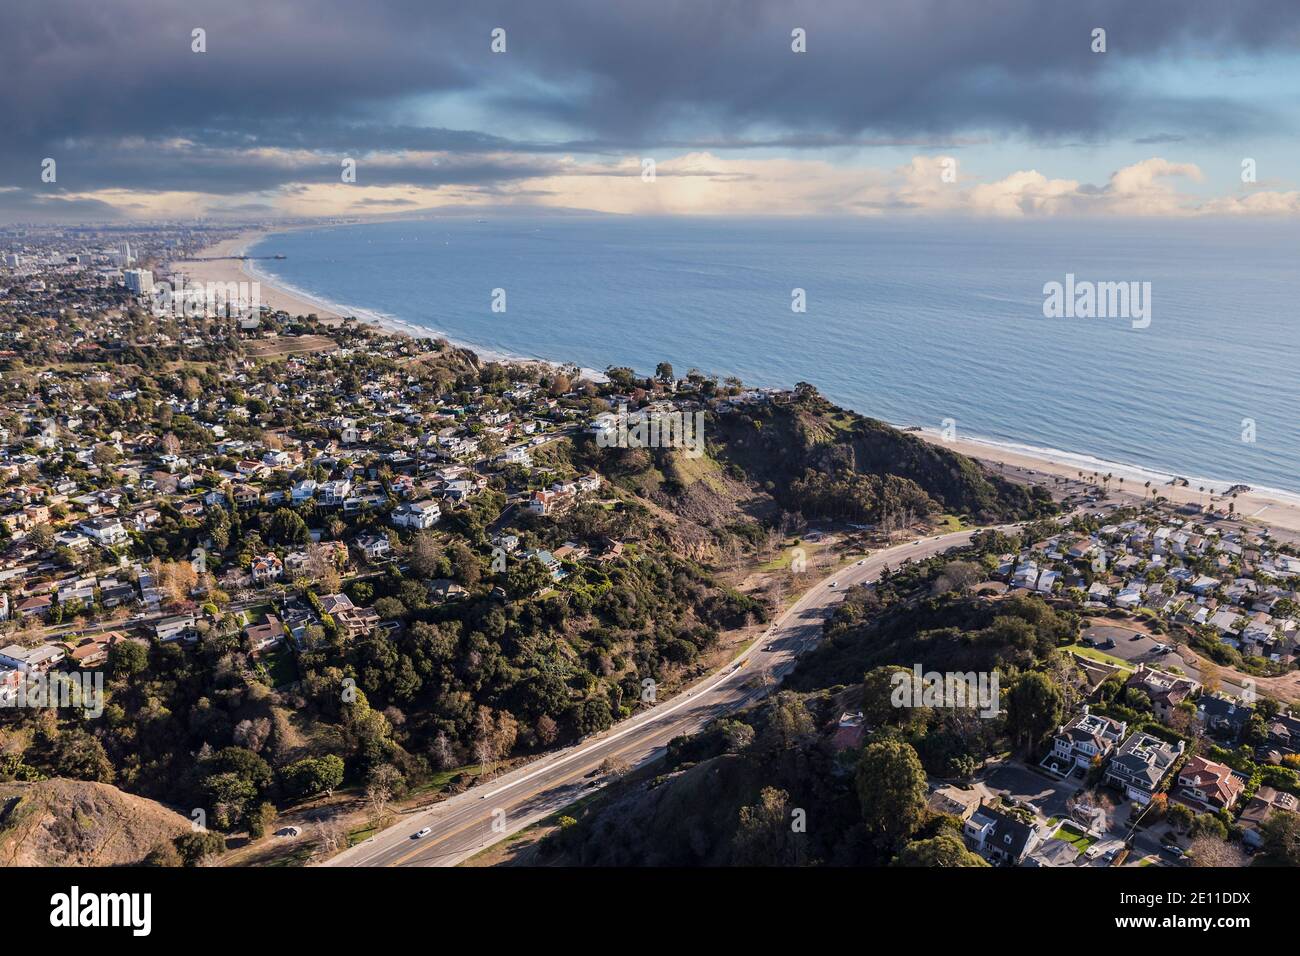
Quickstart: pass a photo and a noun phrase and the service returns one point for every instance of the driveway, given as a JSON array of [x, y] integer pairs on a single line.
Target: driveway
[[1018, 782]]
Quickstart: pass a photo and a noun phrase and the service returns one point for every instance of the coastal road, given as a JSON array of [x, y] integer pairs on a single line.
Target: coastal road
[[483, 815]]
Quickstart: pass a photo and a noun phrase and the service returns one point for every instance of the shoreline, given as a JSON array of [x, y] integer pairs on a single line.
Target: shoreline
[[278, 294], [1270, 506], [1276, 507]]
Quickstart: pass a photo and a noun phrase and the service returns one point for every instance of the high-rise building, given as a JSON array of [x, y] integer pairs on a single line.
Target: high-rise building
[[139, 281], [13, 260]]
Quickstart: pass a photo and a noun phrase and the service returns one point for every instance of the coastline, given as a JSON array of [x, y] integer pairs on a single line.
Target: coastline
[[272, 294], [1271, 506], [280, 295]]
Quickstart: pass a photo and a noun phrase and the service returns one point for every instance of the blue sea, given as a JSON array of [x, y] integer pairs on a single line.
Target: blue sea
[[912, 321]]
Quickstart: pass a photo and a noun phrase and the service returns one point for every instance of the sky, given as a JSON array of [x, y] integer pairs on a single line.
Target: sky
[[997, 108]]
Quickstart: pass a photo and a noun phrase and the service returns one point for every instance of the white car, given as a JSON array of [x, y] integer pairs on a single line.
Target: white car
[[422, 834], [833, 584]]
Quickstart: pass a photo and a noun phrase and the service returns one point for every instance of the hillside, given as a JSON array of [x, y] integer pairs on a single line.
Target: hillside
[[728, 795], [75, 823], [815, 457]]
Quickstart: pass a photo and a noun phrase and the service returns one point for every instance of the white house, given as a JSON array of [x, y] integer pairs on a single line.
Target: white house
[[416, 514]]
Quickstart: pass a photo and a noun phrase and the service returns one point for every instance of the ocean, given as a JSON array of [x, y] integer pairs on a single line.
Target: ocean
[[916, 322]]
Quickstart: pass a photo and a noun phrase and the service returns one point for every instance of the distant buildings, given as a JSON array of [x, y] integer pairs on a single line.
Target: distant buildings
[[139, 281]]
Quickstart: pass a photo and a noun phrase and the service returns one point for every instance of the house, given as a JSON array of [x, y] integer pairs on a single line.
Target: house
[[303, 491], [418, 515], [375, 547], [1085, 739], [37, 605], [549, 561], [106, 532], [1284, 734], [549, 502], [1206, 785], [444, 589], [31, 660], [1140, 764], [1222, 716], [999, 837], [848, 731], [1165, 691], [508, 543], [92, 651], [266, 569], [332, 604], [11, 682], [1053, 852], [178, 627], [266, 634], [331, 494], [954, 802], [357, 621], [1263, 805]]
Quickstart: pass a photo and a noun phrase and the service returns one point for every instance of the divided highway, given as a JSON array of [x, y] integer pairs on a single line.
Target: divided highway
[[469, 822]]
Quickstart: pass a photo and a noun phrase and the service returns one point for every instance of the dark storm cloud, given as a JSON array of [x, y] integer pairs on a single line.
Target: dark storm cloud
[[106, 87]]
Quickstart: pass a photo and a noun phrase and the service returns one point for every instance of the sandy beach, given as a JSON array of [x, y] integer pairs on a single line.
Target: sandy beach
[[1277, 511], [221, 268]]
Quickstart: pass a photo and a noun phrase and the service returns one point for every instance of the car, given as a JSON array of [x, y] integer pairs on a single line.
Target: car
[[833, 584], [1107, 644], [1088, 642], [421, 834], [768, 647], [288, 832]]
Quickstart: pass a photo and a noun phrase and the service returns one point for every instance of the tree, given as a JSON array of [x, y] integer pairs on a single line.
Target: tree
[[891, 788], [81, 756], [286, 527], [313, 775], [946, 849], [764, 835], [1280, 840], [196, 849], [547, 730], [1180, 817], [426, 557], [664, 373], [127, 658], [1214, 851], [1034, 708]]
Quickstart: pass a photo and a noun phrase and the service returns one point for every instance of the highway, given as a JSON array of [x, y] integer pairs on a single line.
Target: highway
[[463, 825]]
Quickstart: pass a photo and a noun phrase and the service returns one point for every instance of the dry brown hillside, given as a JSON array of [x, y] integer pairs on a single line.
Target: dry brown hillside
[[75, 823]]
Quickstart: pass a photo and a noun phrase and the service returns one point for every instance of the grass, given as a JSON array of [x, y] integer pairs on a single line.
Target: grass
[[443, 778], [949, 523], [1074, 836], [280, 666], [1095, 655]]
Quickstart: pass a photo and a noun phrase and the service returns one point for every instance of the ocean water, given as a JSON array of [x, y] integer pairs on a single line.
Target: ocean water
[[913, 322]]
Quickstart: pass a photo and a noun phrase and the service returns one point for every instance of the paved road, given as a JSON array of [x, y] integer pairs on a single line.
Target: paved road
[[471, 821]]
